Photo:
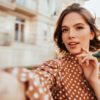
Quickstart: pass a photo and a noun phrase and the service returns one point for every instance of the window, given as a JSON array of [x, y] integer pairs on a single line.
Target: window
[[19, 30]]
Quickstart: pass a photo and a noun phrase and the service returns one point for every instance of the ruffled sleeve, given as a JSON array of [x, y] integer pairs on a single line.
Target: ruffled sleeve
[[39, 81]]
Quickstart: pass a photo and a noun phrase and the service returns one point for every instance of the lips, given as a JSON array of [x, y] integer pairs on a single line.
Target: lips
[[73, 44]]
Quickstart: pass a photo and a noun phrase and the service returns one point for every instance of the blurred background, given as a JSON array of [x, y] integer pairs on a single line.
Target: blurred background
[[27, 26]]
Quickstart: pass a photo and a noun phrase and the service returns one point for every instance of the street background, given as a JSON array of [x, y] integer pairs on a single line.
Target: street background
[[26, 29]]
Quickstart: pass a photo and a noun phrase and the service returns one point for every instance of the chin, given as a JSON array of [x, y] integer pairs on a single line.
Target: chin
[[75, 52]]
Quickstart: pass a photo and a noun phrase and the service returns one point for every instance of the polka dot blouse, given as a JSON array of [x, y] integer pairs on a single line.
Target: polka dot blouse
[[56, 80]]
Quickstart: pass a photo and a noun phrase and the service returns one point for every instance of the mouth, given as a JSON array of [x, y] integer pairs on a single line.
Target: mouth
[[73, 44]]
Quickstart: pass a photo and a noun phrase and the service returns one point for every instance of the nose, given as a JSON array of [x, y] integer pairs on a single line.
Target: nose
[[71, 33]]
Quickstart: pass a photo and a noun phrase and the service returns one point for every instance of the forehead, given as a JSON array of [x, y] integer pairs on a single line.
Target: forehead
[[73, 18]]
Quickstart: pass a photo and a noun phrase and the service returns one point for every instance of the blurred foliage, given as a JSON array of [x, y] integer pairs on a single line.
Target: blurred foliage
[[97, 55]]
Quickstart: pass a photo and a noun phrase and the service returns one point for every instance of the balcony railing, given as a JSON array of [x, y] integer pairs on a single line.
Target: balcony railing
[[7, 1], [26, 7], [7, 4], [29, 4]]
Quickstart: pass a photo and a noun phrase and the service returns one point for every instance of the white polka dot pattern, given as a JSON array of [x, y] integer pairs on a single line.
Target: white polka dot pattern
[[56, 80]]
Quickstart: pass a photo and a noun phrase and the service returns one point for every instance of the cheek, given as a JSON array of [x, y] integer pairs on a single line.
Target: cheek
[[85, 37], [85, 40], [64, 38]]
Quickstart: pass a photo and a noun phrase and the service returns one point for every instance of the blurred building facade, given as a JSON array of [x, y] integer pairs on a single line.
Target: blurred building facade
[[27, 21], [30, 21], [24, 22]]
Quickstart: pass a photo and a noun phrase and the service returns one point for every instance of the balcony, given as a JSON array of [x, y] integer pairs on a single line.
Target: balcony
[[26, 7], [6, 4]]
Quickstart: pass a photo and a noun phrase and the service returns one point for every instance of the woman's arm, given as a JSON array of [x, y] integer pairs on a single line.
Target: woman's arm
[[97, 90], [38, 82], [91, 69], [10, 87], [96, 84]]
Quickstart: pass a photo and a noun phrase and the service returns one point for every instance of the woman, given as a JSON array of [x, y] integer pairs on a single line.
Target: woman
[[75, 75]]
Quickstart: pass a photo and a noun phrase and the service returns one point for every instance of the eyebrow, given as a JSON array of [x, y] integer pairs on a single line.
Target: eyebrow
[[64, 26], [78, 24]]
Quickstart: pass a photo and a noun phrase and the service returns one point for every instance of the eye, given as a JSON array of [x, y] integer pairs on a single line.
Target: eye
[[79, 28], [64, 30]]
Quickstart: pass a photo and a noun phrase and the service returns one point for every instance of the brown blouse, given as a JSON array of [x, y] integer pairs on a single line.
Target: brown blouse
[[56, 80]]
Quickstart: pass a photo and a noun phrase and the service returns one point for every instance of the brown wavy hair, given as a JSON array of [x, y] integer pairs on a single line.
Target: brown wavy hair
[[90, 20]]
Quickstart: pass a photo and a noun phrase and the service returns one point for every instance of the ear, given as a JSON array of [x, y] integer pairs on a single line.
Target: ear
[[91, 35]]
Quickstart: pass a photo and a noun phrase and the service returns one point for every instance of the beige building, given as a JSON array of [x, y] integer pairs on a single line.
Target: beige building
[[16, 18], [27, 21], [30, 21], [24, 22]]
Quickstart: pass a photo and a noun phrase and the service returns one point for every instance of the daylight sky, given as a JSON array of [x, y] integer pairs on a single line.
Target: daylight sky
[[94, 6]]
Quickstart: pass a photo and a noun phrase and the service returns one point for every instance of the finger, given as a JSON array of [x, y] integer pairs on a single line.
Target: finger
[[82, 58], [84, 50], [89, 59], [96, 72], [99, 70], [87, 63], [81, 55]]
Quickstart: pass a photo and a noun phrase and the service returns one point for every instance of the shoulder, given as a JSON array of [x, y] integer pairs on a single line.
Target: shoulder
[[54, 63]]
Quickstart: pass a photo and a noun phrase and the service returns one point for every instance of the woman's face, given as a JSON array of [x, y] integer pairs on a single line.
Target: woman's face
[[76, 33]]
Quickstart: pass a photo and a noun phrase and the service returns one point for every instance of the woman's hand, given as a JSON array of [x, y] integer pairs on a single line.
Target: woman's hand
[[89, 65], [91, 69], [10, 87]]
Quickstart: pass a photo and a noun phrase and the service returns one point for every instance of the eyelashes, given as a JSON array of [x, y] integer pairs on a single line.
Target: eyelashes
[[65, 30], [79, 28]]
